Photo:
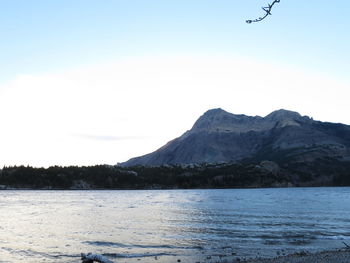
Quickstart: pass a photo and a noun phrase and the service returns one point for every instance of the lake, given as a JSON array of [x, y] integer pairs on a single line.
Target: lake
[[170, 225]]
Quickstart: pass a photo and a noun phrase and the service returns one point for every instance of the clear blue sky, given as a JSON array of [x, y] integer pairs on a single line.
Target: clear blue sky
[[91, 82], [40, 35]]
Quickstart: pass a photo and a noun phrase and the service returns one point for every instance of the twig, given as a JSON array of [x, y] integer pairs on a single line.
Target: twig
[[267, 12]]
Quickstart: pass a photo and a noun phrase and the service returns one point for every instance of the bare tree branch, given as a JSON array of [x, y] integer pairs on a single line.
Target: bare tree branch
[[267, 12]]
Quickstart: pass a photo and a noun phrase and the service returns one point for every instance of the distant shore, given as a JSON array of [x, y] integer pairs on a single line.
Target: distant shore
[[205, 176], [332, 256]]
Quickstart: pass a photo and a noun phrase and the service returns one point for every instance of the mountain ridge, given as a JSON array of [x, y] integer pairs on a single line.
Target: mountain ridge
[[220, 137]]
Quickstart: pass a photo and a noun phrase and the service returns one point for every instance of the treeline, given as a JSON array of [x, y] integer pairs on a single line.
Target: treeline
[[114, 177], [235, 175]]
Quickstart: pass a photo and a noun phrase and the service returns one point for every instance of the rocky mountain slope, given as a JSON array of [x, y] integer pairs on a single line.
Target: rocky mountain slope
[[222, 137]]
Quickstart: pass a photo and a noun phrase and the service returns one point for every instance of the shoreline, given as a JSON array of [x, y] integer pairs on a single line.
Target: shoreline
[[8, 188], [341, 255]]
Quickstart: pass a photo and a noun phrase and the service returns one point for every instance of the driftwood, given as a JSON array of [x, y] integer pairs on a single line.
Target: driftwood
[[90, 258], [346, 245]]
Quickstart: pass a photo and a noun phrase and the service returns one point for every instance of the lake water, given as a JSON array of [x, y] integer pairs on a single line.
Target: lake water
[[164, 226]]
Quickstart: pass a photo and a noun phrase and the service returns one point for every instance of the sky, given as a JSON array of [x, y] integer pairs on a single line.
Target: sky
[[87, 82]]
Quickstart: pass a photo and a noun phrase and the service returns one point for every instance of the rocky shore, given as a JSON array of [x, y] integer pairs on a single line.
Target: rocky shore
[[330, 256], [334, 256]]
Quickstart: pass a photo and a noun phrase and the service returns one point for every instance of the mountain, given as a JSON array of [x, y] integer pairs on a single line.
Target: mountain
[[222, 137]]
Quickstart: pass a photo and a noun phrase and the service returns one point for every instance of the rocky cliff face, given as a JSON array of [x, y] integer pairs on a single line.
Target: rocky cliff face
[[219, 137]]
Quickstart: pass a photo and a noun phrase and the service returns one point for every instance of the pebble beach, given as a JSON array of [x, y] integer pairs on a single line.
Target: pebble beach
[[334, 256]]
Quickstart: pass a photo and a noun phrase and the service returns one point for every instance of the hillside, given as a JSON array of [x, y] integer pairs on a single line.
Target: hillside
[[221, 137]]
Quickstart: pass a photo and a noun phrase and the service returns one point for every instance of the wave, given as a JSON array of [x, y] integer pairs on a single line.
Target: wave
[[137, 255], [121, 245]]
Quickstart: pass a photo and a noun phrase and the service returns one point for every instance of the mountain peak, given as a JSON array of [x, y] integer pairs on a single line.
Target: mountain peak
[[217, 119], [282, 114], [215, 111]]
